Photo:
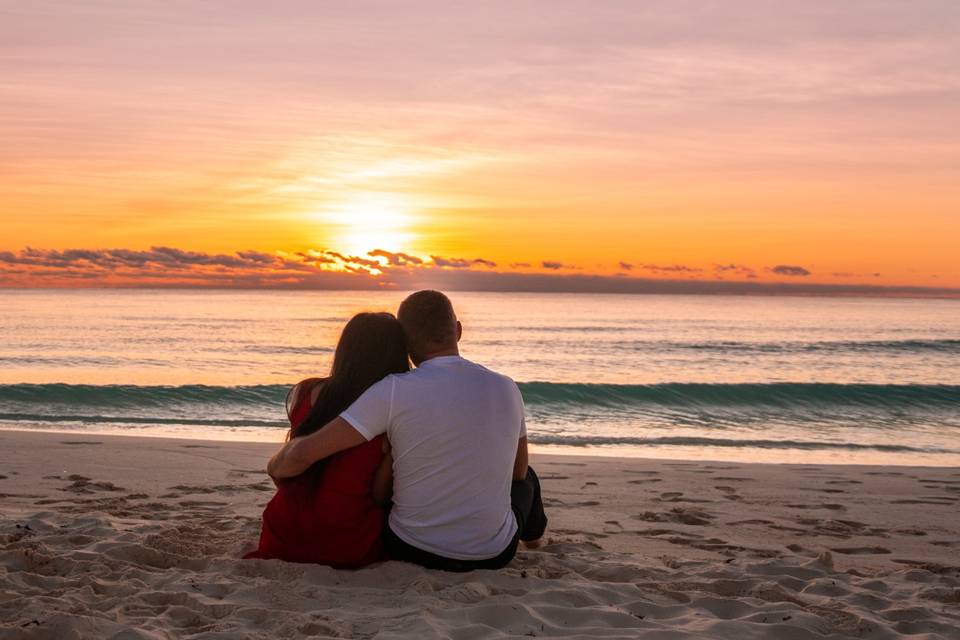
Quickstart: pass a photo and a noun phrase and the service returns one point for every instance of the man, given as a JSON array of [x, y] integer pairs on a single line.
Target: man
[[464, 495]]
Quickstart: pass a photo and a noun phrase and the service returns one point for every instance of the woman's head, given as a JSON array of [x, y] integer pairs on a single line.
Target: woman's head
[[371, 346]]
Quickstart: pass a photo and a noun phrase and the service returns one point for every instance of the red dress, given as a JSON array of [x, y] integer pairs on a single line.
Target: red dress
[[327, 515]]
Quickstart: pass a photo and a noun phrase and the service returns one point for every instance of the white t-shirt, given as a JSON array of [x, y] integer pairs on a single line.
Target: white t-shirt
[[454, 427]]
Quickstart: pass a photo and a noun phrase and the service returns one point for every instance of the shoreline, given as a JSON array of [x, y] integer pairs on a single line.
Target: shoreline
[[100, 535], [744, 455]]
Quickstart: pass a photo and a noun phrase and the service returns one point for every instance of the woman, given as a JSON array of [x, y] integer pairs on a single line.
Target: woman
[[334, 512]]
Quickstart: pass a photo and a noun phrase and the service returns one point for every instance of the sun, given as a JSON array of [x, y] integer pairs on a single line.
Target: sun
[[371, 221]]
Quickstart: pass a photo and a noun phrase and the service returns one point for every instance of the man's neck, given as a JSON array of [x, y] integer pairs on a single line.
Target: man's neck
[[454, 351]]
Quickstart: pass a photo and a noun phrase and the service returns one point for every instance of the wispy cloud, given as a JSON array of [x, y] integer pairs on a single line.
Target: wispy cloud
[[739, 270], [461, 263], [790, 270], [670, 268]]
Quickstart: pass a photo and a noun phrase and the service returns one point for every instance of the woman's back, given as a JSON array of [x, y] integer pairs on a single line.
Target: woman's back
[[326, 515]]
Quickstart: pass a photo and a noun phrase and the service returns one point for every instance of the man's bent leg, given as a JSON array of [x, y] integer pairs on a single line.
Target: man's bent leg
[[527, 505]]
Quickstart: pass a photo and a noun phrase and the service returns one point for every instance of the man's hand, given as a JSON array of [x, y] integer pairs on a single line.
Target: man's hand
[[298, 454]]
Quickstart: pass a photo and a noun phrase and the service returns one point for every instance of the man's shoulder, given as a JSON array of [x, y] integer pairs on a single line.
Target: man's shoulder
[[504, 379]]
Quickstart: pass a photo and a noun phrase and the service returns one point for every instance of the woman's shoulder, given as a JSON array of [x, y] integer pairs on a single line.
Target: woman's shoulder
[[304, 390]]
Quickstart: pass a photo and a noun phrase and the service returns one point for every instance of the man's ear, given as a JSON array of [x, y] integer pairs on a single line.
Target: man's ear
[[459, 331]]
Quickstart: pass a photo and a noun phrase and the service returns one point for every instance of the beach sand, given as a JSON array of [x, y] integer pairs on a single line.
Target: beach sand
[[126, 537]]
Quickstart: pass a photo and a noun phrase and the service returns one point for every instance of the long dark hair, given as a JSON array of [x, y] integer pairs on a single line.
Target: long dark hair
[[371, 346]]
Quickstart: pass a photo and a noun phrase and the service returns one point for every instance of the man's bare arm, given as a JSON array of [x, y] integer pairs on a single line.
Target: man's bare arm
[[522, 460], [382, 488], [298, 454]]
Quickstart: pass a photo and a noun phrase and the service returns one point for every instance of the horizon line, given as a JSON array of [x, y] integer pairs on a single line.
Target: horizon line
[[655, 287]]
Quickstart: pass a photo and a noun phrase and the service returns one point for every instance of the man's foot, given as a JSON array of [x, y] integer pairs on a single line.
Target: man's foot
[[532, 544]]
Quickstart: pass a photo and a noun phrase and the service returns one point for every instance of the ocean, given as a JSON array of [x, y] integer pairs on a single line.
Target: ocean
[[773, 379]]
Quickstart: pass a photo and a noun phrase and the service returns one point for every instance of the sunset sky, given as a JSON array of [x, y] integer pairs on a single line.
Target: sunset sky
[[249, 142]]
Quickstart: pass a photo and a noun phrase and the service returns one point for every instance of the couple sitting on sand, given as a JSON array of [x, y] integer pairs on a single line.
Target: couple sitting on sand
[[446, 442]]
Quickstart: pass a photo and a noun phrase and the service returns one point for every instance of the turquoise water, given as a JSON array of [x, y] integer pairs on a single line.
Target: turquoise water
[[719, 377]]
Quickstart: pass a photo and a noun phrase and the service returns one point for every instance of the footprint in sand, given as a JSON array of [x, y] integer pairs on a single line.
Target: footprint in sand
[[645, 481], [263, 485], [83, 484], [861, 551], [677, 496], [612, 526], [844, 482], [789, 529], [942, 502], [832, 507], [185, 488], [80, 442], [198, 446], [677, 515], [729, 493], [654, 533]]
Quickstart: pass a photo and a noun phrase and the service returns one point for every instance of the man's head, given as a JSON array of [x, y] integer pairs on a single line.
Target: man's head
[[431, 325]]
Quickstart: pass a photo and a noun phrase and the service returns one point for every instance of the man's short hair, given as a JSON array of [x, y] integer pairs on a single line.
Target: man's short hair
[[428, 319]]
